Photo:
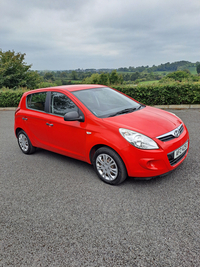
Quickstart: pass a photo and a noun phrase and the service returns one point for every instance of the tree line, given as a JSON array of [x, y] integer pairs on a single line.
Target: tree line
[[169, 67], [14, 73]]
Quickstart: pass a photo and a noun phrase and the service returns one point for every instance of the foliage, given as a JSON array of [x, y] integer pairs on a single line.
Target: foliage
[[10, 98], [49, 76], [104, 78], [198, 68], [164, 94], [137, 77], [129, 75], [61, 77], [176, 76], [114, 77], [46, 84], [151, 94], [15, 73], [74, 75], [177, 87], [180, 76], [170, 67]]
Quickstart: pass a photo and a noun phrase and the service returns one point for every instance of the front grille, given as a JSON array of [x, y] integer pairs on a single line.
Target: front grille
[[166, 138], [181, 128], [171, 135], [172, 160]]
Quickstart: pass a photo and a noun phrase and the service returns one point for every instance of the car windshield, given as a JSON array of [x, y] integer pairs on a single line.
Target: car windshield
[[105, 102]]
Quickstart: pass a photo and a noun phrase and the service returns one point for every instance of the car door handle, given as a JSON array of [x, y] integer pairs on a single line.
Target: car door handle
[[25, 119], [49, 124]]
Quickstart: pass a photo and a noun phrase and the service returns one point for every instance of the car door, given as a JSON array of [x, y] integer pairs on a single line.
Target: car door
[[35, 119], [65, 137]]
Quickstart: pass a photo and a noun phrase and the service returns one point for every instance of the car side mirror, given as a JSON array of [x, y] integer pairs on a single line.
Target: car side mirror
[[73, 116]]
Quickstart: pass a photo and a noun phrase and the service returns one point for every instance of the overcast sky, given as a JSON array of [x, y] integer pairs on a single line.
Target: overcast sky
[[71, 34]]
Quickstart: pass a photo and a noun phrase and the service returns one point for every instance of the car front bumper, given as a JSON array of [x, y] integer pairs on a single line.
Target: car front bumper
[[151, 163]]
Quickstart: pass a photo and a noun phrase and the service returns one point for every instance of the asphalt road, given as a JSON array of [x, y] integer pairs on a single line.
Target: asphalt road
[[56, 212]]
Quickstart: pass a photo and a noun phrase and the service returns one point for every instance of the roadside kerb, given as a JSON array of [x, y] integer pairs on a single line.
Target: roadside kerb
[[177, 106]]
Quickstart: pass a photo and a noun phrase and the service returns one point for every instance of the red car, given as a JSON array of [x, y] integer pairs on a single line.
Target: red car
[[117, 135]]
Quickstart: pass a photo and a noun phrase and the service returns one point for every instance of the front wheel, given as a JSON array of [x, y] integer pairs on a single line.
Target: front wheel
[[24, 143], [109, 166]]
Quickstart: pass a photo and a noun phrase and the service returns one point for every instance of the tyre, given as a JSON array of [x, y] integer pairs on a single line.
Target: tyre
[[24, 143], [109, 166]]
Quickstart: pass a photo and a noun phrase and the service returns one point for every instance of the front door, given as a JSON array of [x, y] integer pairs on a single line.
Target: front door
[[65, 137]]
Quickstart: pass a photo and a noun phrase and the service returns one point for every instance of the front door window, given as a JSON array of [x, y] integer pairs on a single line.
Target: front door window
[[61, 104]]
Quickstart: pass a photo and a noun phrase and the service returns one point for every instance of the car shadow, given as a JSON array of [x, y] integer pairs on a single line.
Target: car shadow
[[130, 181], [152, 180]]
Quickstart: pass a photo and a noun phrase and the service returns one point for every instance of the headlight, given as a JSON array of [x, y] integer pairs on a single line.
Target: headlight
[[138, 140]]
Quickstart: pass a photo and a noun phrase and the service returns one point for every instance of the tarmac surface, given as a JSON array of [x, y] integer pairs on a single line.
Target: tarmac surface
[[56, 212]]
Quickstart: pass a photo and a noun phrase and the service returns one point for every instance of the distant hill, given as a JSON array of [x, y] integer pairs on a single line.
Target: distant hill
[[179, 65], [166, 67]]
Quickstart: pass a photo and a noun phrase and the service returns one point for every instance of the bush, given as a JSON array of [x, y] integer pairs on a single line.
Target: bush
[[164, 94], [180, 76], [10, 98], [151, 94]]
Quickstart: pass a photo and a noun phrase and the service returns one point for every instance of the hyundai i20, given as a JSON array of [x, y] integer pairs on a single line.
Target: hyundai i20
[[119, 136]]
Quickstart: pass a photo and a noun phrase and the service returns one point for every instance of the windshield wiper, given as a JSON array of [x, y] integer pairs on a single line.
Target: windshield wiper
[[123, 111], [139, 107]]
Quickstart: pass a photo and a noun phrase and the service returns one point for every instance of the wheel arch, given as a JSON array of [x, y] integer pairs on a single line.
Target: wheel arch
[[96, 147], [17, 130], [113, 174], [93, 150]]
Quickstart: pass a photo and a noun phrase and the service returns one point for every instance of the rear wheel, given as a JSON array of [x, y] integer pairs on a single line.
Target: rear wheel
[[24, 143], [109, 166]]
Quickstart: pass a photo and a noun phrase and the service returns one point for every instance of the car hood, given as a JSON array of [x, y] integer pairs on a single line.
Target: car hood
[[149, 121]]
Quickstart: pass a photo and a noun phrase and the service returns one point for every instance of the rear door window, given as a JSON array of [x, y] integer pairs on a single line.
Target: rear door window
[[37, 101]]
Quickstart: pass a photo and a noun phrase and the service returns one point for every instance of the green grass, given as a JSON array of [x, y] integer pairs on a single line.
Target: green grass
[[76, 81], [193, 70], [148, 82]]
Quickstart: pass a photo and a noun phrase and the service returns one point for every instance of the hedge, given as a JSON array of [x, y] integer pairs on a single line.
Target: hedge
[[10, 98], [156, 94], [164, 94]]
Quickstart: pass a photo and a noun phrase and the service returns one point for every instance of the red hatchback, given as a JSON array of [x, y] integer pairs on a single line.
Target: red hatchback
[[103, 127]]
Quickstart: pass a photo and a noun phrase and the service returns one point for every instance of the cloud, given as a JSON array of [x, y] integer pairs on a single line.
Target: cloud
[[97, 34]]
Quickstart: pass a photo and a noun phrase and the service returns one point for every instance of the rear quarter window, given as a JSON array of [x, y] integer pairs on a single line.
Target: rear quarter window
[[36, 101]]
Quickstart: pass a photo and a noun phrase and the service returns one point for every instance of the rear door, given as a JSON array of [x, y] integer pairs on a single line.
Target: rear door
[[35, 119]]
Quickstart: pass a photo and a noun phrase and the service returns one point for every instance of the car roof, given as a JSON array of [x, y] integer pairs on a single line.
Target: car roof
[[77, 87], [72, 88]]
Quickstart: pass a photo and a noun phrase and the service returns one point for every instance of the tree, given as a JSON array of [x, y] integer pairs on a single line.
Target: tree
[[135, 76], [179, 75], [103, 79], [93, 79], [15, 73], [74, 75], [49, 76], [198, 68], [113, 77]]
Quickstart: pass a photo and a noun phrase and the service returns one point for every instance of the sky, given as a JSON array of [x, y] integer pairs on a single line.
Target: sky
[[85, 34]]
